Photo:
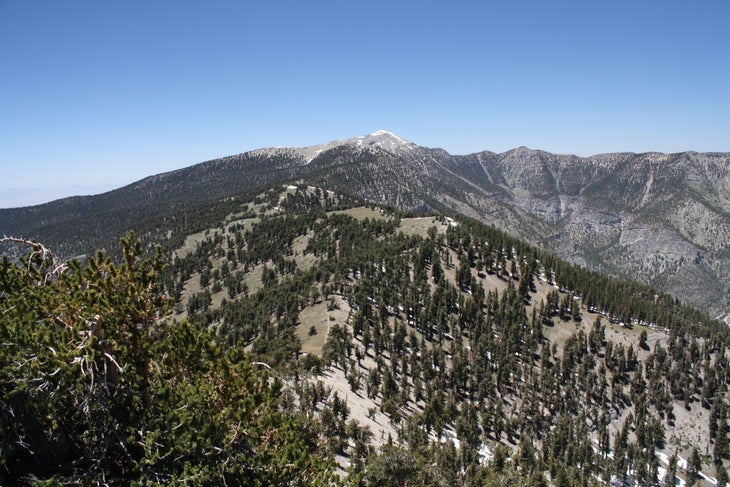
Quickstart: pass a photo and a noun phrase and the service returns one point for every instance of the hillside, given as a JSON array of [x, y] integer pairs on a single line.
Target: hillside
[[663, 219], [439, 332], [418, 348]]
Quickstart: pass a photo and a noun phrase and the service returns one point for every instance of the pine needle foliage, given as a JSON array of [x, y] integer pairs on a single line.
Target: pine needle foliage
[[93, 392]]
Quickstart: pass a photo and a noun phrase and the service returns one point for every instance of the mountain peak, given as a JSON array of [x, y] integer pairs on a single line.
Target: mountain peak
[[384, 133], [384, 139]]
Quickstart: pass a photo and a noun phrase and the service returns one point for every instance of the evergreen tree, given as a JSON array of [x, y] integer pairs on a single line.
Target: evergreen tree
[[722, 475], [118, 399], [671, 474], [694, 466]]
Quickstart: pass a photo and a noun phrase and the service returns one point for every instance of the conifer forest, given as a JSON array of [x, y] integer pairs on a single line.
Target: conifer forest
[[300, 336]]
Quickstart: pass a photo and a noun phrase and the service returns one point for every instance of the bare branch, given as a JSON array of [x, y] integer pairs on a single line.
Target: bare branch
[[41, 252]]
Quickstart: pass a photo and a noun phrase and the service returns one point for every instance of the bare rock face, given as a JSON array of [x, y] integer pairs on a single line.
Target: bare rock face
[[659, 218]]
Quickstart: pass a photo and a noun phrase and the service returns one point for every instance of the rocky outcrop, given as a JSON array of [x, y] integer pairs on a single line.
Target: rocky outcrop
[[659, 218]]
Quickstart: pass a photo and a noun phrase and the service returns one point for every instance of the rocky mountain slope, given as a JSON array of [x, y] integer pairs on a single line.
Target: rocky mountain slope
[[448, 334], [659, 218]]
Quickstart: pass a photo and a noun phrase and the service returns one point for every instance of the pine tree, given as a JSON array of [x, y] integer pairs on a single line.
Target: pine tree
[[121, 399], [694, 466], [720, 450], [671, 474], [722, 475]]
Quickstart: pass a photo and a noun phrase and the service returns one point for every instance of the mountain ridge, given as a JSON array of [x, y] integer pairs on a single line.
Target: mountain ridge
[[655, 217], [419, 341]]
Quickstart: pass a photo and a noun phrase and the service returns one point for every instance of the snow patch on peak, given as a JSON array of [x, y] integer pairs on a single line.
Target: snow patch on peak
[[382, 138], [387, 140], [386, 133]]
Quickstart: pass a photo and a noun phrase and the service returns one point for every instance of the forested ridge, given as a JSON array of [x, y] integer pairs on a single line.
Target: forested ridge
[[480, 358], [655, 218]]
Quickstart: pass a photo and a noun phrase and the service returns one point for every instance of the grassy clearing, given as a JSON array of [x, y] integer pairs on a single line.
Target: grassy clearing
[[247, 223], [252, 279], [419, 226], [299, 245], [322, 320], [362, 212], [191, 242]]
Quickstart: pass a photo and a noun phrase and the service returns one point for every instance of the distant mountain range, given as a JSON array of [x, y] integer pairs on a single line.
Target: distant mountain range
[[659, 218]]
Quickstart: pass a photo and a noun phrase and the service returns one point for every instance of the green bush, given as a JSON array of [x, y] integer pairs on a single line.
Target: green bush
[[93, 391]]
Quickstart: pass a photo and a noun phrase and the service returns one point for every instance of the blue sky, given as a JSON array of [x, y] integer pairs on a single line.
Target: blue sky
[[95, 95]]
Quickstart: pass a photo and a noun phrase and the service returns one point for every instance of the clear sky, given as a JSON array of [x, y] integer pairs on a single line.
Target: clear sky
[[97, 94]]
